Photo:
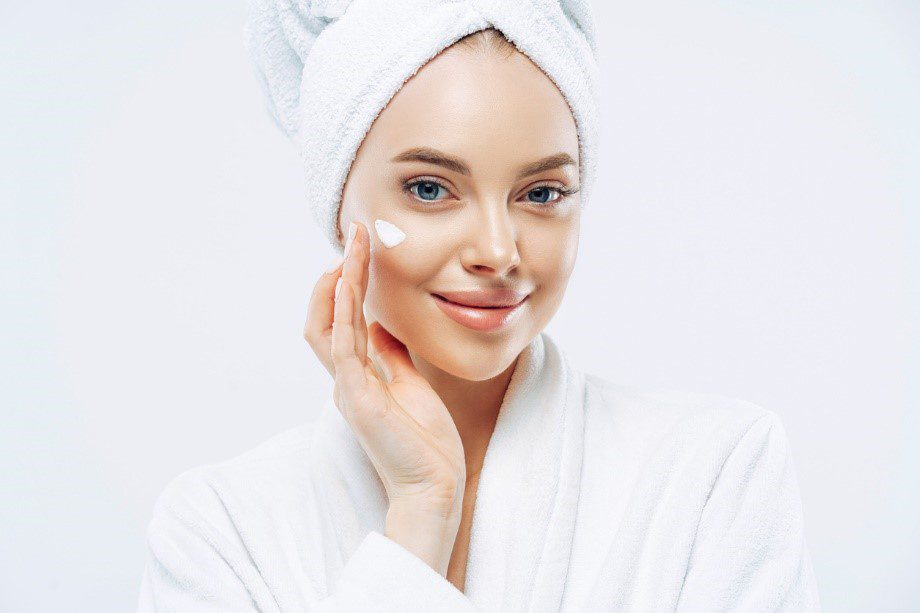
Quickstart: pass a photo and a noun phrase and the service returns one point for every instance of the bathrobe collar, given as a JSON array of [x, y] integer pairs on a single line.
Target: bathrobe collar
[[524, 516]]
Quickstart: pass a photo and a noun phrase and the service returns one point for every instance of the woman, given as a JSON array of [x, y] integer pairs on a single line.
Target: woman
[[463, 463]]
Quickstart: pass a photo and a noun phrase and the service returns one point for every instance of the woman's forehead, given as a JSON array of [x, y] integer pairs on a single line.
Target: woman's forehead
[[469, 105]]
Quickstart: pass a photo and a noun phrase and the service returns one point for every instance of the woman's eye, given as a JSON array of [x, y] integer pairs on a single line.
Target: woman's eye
[[543, 192], [427, 190]]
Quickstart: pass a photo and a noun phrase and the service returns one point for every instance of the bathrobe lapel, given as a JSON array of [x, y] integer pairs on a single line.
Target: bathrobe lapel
[[524, 518]]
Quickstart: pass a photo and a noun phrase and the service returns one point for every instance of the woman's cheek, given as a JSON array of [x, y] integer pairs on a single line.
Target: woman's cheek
[[399, 276], [550, 249], [413, 245]]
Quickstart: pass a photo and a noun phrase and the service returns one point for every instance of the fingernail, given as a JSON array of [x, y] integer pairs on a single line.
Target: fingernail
[[338, 284], [334, 263], [352, 229]]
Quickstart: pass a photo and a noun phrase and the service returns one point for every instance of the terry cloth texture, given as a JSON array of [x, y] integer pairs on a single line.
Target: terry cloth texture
[[593, 496]]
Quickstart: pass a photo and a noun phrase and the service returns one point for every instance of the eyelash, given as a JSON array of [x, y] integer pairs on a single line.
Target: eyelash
[[563, 192]]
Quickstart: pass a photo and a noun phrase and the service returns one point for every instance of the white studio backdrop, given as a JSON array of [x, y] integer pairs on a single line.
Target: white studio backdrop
[[753, 233]]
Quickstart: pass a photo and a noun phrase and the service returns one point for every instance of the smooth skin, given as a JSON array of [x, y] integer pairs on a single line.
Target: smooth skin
[[422, 392]]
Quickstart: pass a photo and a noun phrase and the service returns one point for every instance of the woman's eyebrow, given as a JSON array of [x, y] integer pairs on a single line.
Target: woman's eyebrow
[[433, 156]]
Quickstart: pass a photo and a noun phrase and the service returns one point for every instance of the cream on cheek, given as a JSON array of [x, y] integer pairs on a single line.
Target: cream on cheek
[[389, 233], [410, 258], [425, 242]]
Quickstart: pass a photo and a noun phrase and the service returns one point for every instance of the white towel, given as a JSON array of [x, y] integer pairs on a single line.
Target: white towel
[[329, 67], [592, 497]]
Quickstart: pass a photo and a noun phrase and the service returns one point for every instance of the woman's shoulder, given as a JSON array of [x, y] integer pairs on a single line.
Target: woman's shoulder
[[679, 413], [222, 531], [681, 443], [207, 493]]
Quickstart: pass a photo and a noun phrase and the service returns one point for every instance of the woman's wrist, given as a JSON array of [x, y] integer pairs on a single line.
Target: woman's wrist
[[426, 529]]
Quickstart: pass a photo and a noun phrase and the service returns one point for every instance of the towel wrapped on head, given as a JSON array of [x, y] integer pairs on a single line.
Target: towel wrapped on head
[[328, 67]]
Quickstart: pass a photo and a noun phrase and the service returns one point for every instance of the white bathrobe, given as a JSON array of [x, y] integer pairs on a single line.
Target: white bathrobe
[[593, 496]]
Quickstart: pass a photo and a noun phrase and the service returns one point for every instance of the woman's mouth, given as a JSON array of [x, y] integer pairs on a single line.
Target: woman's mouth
[[478, 315]]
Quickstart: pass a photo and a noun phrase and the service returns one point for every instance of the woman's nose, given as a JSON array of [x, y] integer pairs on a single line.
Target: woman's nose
[[492, 244]]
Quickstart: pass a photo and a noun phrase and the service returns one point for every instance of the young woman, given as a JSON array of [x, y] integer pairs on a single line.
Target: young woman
[[463, 463]]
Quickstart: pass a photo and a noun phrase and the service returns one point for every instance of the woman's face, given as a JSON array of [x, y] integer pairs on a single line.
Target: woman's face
[[493, 226]]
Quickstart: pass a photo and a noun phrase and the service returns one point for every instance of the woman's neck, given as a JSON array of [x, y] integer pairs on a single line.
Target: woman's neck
[[474, 406]]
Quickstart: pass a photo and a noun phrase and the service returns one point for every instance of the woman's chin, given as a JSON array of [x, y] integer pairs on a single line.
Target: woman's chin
[[470, 361], [481, 371]]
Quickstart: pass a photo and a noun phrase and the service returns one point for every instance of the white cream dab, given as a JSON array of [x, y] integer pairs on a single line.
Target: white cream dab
[[389, 234]]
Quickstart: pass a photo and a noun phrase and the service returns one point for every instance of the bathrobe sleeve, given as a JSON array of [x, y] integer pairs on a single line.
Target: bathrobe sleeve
[[195, 563], [750, 553]]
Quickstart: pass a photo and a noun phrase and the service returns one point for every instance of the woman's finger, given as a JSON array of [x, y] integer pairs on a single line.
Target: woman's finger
[[350, 375], [370, 254], [392, 354], [320, 312], [354, 272], [362, 252]]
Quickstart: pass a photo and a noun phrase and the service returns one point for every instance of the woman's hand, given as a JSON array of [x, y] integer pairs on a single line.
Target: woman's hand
[[400, 421]]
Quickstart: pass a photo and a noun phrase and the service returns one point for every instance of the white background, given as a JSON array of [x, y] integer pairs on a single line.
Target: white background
[[753, 233]]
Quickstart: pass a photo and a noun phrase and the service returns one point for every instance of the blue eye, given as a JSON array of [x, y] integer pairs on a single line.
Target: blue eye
[[544, 190], [428, 192], [427, 188]]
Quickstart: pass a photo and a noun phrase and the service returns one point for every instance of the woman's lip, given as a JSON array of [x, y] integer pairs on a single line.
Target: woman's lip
[[484, 319], [483, 297]]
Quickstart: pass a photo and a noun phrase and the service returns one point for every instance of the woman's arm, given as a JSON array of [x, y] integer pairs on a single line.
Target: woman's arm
[[749, 553]]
